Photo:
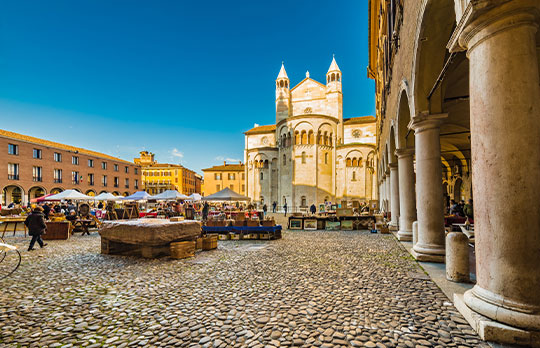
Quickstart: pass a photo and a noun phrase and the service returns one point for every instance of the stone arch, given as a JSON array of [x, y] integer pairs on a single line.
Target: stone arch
[[90, 193], [13, 193], [436, 23], [392, 149], [405, 137], [36, 192], [56, 190]]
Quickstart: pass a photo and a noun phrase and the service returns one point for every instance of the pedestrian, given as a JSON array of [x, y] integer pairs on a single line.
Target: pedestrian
[[313, 209], [468, 209], [285, 208], [265, 209], [35, 222], [274, 205], [46, 211], [100, 205], [205, 211]]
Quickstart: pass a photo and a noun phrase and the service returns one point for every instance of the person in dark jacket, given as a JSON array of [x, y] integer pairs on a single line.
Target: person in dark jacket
[[205, 211], [35, 222], [313, 209], [46, 211], [265, 209]]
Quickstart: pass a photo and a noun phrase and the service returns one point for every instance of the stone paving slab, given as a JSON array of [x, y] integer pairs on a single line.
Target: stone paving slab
[[310, 289]]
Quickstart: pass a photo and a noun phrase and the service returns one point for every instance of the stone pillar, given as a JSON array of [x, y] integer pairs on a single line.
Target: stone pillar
[[457, 257], [505, 141], [394, 195], [415, 233], [407, 199], [429, 189], [388, 190], [383, 193]]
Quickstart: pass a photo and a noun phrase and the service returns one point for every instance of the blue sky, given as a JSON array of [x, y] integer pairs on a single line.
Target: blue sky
[[182, 79]]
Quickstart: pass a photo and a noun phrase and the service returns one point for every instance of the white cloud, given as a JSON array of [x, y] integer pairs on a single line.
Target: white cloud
[[176, 153], [228, 159]]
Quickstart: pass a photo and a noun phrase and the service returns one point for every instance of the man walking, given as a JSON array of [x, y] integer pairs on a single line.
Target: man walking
[[35, 222], [285, 208], [274, 205]]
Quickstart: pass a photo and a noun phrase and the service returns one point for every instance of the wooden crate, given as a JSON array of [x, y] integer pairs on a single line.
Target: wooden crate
[[268, 223], [198, 244], [223, 237], [176, 218], [234, 236], [209, 243], [57, 230], [252, 223], [182, 250]]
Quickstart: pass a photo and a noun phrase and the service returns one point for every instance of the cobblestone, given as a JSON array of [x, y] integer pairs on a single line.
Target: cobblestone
[[322, 289]]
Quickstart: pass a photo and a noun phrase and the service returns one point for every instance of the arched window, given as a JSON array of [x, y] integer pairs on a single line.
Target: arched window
[[281, 83], [325, 138], [266, 164], [319, 138], [333, 77], [310, 137], [262, 175], [303, 202], [354, 162], [303, 157], [304, 137], [348, 162], [284, 159], [296, 138], [353, 176], [289, 139], [326, 158], [338, 77], [330, 139]]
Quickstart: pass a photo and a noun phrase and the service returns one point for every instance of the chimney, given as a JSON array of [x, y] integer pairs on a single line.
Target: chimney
[[224, 163]]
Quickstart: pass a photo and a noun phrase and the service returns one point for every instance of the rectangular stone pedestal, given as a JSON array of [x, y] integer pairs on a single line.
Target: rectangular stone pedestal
[[490, 330], [428, 258]]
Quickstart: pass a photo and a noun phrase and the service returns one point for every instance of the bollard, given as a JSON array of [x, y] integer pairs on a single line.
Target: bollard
[[457, 257], [414, 233]]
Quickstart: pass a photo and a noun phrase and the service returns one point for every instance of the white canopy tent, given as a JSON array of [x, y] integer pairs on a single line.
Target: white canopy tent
[[106, 196], [137, 196], [169, 195], [194, 197], [72, 195]]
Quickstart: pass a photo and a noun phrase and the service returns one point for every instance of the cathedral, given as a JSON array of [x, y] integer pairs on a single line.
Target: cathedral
[[312, 154]]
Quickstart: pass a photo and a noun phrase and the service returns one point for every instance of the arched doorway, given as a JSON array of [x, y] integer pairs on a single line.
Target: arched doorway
[[457, 190], [12, 194], [36, 192], [91, 193], [56, 190], [125, 194]]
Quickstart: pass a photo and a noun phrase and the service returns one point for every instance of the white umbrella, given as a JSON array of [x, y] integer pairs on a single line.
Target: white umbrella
[[195, 197], [106, 196], [73, 195], [169, 195]]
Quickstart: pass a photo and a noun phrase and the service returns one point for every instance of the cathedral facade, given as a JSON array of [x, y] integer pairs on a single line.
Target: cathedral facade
[[311, 154]]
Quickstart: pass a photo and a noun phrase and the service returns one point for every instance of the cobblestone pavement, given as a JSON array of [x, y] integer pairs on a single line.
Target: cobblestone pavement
[[311, 289]]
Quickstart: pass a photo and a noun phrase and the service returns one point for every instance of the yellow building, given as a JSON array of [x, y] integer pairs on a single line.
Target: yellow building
[[159, 177], [216, 178]]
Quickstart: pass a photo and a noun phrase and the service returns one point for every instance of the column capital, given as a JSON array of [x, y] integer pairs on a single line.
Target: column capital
[[387, 171], [393, 166], [404, 153], [484, 19], [422, 122]]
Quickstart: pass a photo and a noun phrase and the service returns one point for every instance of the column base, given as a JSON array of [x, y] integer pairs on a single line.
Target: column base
[[404, 236], [503, 309], [428, 253], [490, 330], [393, 226]]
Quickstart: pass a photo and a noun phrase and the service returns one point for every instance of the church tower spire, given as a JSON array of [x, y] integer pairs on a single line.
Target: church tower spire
[[334, 96], [283, 95]]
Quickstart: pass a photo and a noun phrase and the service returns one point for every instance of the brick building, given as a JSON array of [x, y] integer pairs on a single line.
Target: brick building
[[35, 167], [229, 175]]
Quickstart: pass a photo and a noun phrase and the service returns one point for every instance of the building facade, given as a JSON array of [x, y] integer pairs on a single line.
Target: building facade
[[458, 116], [229, 175], [35, 167], [312, 154], [159, 177]]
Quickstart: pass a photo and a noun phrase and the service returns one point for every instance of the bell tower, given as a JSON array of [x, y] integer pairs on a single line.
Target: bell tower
[[334, 97], [283, 95]]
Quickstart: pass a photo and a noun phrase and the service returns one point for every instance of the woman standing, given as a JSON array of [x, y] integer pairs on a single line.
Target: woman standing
[[35, 222]]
